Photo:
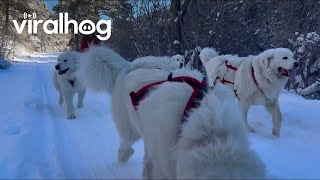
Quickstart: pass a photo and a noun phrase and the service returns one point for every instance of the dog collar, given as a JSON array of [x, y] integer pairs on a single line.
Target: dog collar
[[72, 82], [255, 80]]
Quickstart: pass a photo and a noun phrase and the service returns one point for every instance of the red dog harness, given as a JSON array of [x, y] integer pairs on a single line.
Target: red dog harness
[[255, 80], [199, 88], [229, 66], [223, 81]]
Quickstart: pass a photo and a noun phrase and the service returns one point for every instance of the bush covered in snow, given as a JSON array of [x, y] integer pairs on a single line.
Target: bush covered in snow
[[307, 51]]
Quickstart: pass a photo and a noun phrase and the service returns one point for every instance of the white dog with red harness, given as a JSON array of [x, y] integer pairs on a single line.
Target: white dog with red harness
[[255, 79], [189, 131], [104, 70]]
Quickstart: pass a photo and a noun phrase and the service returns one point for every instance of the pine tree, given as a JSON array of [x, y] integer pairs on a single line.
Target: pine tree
[[79, 10], [12, 10], [121, 13]]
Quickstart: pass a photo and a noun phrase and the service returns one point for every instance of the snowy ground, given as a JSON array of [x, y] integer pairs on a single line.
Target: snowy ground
[[37, 141]]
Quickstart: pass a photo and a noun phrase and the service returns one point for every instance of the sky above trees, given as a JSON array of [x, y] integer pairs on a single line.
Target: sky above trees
[[51, 3]]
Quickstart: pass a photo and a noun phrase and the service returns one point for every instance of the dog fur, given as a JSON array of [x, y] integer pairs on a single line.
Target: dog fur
[[104, 70], [67, 83], [212, 144], [152, 62], [272, 69], [213, 141], [177, 59]]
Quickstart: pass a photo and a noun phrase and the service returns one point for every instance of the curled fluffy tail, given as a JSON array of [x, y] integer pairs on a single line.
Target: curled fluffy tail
[[215, 137], [207, 54], [99, 68]]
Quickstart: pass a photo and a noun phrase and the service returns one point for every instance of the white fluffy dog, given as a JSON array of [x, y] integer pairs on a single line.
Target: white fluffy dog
[[179, 59], [67, 83], [154, 62], [102, 69], [255, 79], [210, 144]]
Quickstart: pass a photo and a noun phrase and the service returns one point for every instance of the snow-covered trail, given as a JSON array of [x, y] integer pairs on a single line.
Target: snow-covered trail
[[37, 141]]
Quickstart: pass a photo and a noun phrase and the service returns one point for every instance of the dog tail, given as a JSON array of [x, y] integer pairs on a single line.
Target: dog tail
[[99, 68], [207, 54], [215, 134]]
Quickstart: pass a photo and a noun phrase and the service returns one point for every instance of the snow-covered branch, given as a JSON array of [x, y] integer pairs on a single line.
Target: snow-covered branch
[[310, 89]]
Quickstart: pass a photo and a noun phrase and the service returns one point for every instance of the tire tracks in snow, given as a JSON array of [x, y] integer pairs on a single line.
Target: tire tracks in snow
[[77, 151], [65, 147], [47, 113], [60, 148], [35, 154]]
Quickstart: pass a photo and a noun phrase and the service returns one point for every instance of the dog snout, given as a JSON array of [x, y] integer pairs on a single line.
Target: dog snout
[[296, 64], [181, 65], [57, 67]]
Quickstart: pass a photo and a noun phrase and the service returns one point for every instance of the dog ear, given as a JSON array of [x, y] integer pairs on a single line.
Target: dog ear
[[266, 59]]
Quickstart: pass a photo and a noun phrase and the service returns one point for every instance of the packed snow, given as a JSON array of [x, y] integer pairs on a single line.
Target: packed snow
[[37, 141]]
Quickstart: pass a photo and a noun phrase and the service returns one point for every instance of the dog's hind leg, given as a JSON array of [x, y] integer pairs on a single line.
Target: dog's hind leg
[[274, 110], [245, 108], [147, 164], [125, 151], [128, 135], [80, 98]]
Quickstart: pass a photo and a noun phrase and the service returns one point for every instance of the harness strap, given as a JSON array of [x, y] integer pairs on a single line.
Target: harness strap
[[194, 100], [136, 97], [191, 81], [190, 104], [235, 91], [223, 81], [226, 81], [255, 80], [229, 66], [198, 92]]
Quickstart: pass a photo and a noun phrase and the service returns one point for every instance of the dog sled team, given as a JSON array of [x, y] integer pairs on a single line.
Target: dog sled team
[[194, 125]]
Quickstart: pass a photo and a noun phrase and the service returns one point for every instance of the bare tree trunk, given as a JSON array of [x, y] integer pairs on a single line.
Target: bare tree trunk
[[7, 9], [177, 13], [176, 26]]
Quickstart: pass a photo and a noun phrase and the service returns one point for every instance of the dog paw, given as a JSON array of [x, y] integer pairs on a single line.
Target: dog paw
[[71, 116], [125, 154], [80, 106], [251, 129], [276, 133]]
